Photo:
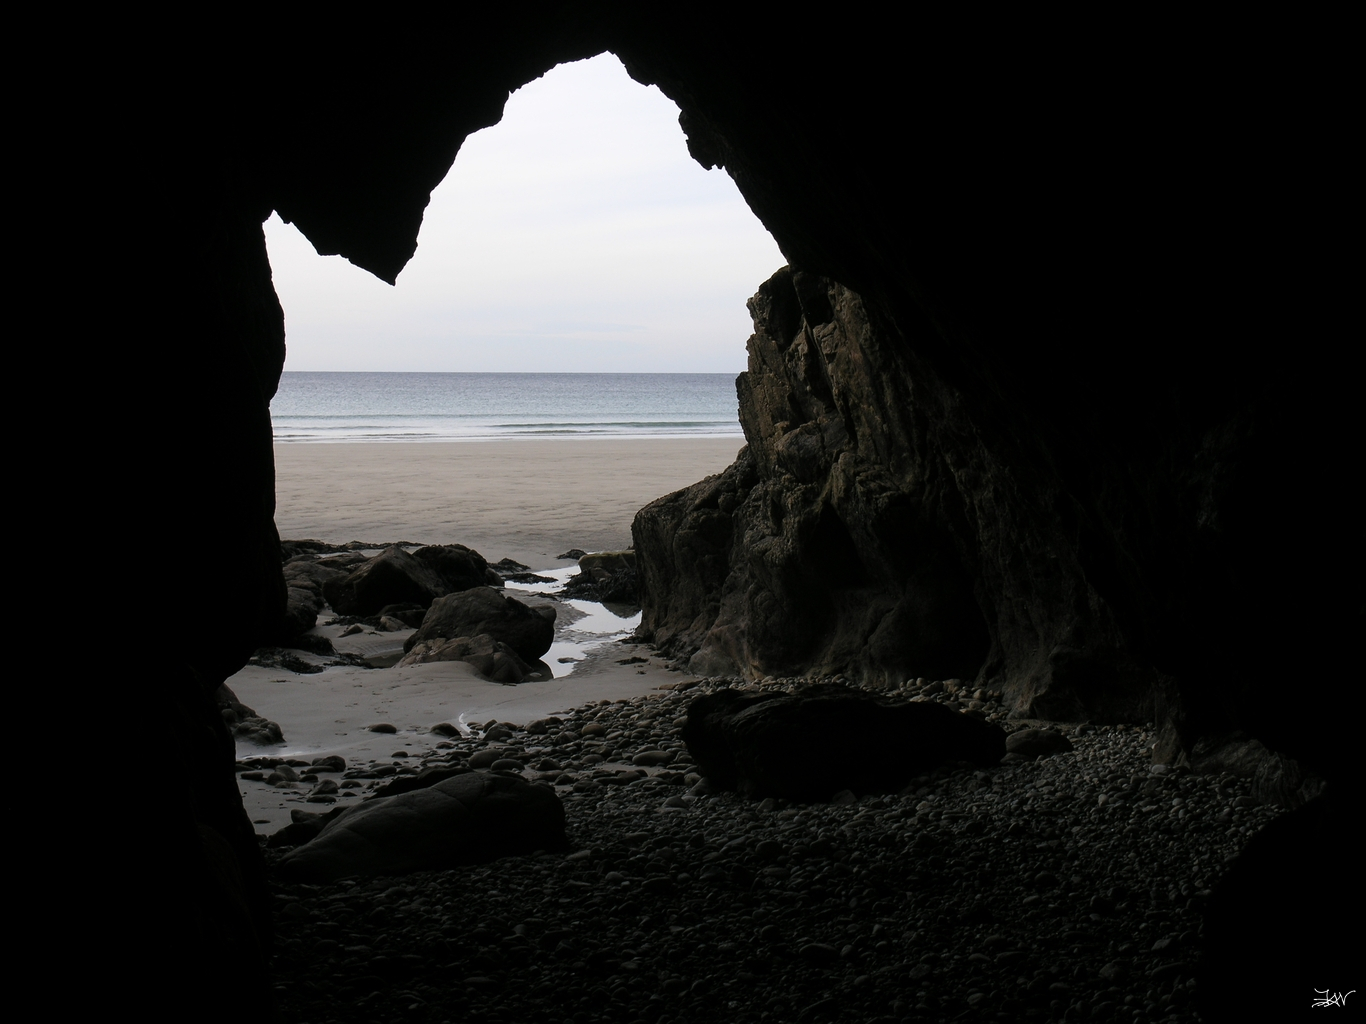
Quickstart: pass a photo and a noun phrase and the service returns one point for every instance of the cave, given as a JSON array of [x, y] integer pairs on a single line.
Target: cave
[[1056, 341]]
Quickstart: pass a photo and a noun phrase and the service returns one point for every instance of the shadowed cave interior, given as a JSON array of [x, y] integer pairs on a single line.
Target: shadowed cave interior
[[1010, 412]]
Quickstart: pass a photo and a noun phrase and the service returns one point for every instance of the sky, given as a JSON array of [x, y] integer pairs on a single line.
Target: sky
[[576, 235]]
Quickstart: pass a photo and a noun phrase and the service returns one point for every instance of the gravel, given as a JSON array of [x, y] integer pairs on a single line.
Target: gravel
[[1067, 887]]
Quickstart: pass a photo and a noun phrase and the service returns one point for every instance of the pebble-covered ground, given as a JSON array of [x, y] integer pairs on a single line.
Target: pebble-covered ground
[[1065, 888]]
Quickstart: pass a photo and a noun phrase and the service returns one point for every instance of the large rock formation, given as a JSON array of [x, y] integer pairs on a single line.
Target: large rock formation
[[870, 529]]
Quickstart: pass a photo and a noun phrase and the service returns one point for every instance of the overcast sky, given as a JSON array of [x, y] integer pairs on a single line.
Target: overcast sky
[[575, 235]]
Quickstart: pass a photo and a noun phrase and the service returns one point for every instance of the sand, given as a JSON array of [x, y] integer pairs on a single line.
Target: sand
[[524, 499], [528, 500]]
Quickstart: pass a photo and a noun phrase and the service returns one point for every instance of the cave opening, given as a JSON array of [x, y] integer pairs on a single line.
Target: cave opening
[[575, 235], [578, 276]]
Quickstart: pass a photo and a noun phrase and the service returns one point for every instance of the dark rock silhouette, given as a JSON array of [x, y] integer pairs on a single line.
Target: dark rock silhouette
[[1279, 923], [528, 631], [459, 820], [821, 740]]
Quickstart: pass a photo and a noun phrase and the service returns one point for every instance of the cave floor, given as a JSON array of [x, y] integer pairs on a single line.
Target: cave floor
[[1015, 894]]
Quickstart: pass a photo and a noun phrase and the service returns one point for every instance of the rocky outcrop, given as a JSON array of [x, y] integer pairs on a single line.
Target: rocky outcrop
[[608, 577], [822, 740], [528, 631], [868, 529], [460, 820]]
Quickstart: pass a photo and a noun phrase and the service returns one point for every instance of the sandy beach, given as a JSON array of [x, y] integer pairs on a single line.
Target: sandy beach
[[522, 499], [528, 500]]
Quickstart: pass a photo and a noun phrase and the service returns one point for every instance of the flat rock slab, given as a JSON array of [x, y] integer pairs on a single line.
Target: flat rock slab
[[461, 820], [809, 745]]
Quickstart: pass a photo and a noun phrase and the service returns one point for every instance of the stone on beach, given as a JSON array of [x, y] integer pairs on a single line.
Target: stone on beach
[[482, 610], [600, 565], [492, 659], [814, 743], [304, 581], [391, 577], [244, 722], [459, 567], [465, 819], [1037, 743]]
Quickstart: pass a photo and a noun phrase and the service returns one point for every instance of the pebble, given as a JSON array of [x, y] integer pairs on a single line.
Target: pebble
[[1039, 890]]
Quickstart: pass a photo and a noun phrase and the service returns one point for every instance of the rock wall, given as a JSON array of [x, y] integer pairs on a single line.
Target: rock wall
[[870, 529]]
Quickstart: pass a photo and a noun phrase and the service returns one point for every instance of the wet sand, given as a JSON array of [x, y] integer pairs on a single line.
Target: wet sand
[[528, 500]]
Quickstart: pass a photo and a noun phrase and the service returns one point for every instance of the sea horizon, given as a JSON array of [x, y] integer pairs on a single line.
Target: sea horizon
[[352, 406]]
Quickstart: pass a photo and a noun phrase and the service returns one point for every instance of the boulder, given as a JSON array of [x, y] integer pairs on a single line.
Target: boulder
[[302, 828], [461, 820], [304, 579], [489, 657], [814, 743], [391, 577], [243, 722], [1037, 743], [526, 630], [459, 567], [411, 615], [602, 564]]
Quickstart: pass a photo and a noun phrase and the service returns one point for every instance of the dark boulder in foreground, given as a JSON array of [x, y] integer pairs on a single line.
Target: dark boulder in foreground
[[528, 631], [1263, 959], [461, 820], [812, 744]]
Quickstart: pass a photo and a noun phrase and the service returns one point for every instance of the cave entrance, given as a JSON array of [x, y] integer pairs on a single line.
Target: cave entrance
[[576, 236]]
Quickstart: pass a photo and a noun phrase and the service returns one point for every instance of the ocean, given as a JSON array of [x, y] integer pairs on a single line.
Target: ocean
[[359, 407]]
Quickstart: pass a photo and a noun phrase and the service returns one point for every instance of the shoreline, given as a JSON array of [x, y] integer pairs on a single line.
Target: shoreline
[[526, 499]]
